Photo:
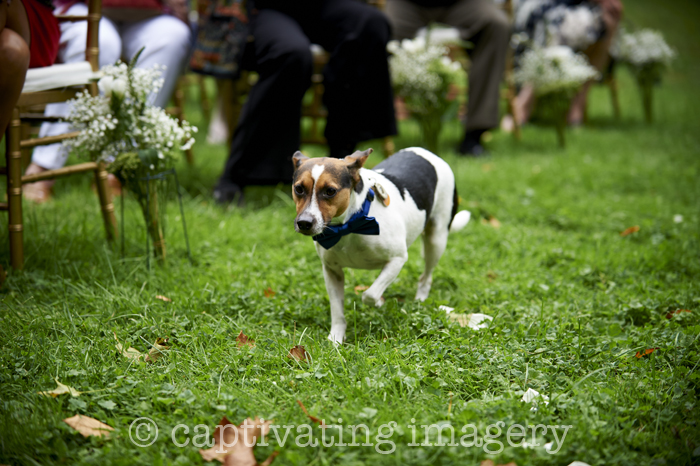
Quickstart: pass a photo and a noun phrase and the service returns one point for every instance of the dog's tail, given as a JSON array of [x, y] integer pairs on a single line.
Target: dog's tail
[[459, 219]]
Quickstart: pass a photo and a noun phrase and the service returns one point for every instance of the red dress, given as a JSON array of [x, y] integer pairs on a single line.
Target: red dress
[[45, 33]]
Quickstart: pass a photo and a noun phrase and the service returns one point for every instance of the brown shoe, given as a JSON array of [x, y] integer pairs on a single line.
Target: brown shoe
[[40, 191]]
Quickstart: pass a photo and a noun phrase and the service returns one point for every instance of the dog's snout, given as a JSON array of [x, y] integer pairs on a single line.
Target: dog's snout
[[305, 223]]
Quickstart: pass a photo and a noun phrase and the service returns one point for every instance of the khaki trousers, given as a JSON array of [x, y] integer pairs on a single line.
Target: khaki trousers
[[482, 24]]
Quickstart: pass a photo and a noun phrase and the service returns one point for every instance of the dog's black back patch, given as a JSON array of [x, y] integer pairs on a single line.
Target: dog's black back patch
[[411, 172]]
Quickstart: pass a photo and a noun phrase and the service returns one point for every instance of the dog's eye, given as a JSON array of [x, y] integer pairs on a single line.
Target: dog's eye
[[299, 190], [330, 192]]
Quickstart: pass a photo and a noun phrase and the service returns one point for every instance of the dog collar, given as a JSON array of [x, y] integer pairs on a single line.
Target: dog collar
[[359, 223]]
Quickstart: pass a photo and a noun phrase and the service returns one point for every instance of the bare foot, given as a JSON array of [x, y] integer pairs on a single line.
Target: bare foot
[[39, 191]]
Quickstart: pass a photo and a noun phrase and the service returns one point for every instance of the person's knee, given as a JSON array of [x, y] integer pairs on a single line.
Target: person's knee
[[170, 35], [295, 60], [376, 26], [499, 23], [14, 53]]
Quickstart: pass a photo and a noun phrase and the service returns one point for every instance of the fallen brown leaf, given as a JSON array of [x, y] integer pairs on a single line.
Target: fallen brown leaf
[[678, 311], [157, 349], [491, 463], [88, 426], [493, 221], [269, 293], [233, 445], [164, 298], [61, 389], [359, 288], [313, 418], [491, 275], [299, 353], [129, 353], [629, 231], [646, 352], [244, 340]]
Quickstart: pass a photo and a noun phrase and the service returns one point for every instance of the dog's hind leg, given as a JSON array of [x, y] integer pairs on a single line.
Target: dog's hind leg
[[434, 243], [391, 270], [335, 286]]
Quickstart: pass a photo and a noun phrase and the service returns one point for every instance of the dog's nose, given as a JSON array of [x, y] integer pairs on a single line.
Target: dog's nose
[[304, 225]]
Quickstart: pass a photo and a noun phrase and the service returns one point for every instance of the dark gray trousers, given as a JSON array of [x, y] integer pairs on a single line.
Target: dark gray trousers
[[479, 22]]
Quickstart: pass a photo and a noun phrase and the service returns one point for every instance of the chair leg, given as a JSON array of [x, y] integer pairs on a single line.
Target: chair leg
[[179, 99], [106, 205], [14, 191], [388, 146], [204, 98], [614, 97]]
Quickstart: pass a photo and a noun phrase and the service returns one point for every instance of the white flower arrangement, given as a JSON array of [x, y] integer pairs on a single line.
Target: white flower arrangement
[[554, 69], [422, 73], [138, 140], [120, 119], [642, 48]]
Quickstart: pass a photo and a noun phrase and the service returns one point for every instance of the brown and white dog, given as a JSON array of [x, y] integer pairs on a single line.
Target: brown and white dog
[[367, 219]]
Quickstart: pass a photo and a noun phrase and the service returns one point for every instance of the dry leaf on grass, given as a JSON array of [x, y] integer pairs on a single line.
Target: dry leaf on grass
[[233, 445], [88, 426], [493, 221], [154, 353], [313, 418], [678, 311], [646, 352], [244, 340], [60, 390], [157, 349], [629, 231], [164, 298], [491, 463], [299, 353], [360, 288], [491, 275], [474, 321], [269, 293], [129, 353]]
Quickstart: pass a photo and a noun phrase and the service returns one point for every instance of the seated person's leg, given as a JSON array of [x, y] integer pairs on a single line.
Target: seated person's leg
[[487, 27], [268, 130], [357, 84], [167, 42], [406, 18], [14, 57]]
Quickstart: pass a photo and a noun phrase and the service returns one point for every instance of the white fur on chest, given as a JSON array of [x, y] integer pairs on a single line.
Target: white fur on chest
[[400, 224]]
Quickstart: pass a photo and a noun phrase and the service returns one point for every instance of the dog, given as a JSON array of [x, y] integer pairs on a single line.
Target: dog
[[367, 219]]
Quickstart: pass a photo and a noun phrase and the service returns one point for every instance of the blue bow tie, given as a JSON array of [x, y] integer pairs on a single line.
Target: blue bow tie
[[359, 223]]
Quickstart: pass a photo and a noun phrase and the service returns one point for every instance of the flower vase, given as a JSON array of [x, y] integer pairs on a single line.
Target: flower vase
[[152, 216], [430, 127], [647, 90], [555, 110]]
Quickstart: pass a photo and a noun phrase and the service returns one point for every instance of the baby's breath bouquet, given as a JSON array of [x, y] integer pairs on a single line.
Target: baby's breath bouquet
[[648, 55], [422, 73], [138, 140], [557, 74]]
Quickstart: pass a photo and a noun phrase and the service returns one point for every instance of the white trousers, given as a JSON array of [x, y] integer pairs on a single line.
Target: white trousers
[[166, 40]]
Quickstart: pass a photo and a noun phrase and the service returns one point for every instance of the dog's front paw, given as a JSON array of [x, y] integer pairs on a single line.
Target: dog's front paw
[[371, 300], [337, 335]]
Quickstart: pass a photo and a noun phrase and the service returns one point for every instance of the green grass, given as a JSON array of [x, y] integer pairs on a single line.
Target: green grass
[[572, 302]]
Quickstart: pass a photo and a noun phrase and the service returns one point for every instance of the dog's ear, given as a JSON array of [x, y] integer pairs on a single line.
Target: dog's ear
[[298, 158], [356, 161]]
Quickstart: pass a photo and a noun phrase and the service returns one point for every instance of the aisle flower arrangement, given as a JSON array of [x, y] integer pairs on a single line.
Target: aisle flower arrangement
[[138, 140], [557, 74], [648, 56], [422, 74]]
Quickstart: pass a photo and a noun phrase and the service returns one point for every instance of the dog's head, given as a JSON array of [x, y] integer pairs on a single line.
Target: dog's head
[[322, 188]]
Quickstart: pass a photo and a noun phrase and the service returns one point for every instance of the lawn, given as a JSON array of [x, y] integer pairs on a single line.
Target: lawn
[[573, 303]]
